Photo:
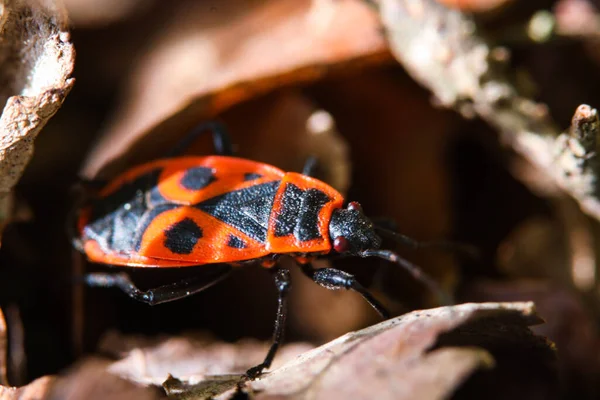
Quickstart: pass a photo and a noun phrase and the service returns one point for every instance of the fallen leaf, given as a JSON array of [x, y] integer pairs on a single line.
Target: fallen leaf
[[89, 379], [211, 57], [36, 59], [189, 357], [426, 354]]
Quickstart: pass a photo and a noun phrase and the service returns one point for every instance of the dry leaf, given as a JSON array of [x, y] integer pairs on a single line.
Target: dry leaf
[[36, 59], [413, 356], [189, 357], [90, 380], [397, 358], [214, 55]]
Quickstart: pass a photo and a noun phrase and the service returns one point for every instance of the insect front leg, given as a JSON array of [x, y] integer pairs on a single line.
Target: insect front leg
[[283, 283], [335, 279], [161, 294]]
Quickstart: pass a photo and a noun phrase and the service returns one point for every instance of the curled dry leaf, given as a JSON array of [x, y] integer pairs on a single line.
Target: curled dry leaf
[[190, 357], [212, 56], [36, 60], [425, 354]]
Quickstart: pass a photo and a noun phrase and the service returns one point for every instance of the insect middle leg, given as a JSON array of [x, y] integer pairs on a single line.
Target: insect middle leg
[[161, 294], [221, 139], [335, 279], [283, 283]]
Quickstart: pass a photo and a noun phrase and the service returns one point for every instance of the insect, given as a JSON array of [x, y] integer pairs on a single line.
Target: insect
[[183, 211]]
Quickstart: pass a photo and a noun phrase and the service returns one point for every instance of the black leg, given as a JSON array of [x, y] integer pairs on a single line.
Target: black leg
[[283, 283], [221, 139], [335, 279], [310, 166], [161, 294]]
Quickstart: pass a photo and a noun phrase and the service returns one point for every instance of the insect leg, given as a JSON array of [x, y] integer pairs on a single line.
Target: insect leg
[[221, 139], [335, 279], [283, 283], [310, 166], [161, 294]]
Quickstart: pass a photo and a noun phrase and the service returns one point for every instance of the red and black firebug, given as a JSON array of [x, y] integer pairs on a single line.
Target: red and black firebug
[[182, 211]]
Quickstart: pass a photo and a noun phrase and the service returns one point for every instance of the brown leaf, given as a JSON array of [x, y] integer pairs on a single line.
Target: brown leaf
[[37, 64], [210, 57], [413, 356], [189, 357], [36, 60], [90, 380]]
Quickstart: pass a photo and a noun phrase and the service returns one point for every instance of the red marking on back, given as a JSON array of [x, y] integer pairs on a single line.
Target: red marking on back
[[228, 171], [211, 248]]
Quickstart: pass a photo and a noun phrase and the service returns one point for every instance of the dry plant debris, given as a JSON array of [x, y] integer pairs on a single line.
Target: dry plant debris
[[192, 358], [442, 49], [426, 354], [36, 59], [200, 64]]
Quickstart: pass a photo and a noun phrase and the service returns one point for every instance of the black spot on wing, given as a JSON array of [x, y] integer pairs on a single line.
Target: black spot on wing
[[145, 222], [182, 236], [197, 178], [236, 242], [247, 209], [299, 214], [250, 176]]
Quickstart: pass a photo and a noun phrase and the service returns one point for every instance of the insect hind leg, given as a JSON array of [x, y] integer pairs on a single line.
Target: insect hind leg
[[161, 294], [221, 139]]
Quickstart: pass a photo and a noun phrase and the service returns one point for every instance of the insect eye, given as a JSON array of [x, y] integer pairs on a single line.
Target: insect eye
[[341, 244], [354, 205]]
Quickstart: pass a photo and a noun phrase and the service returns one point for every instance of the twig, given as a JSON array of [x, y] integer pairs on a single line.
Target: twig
[[442, 49]]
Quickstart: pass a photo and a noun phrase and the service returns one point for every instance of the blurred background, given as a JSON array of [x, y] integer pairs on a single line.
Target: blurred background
[[292, 78]]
